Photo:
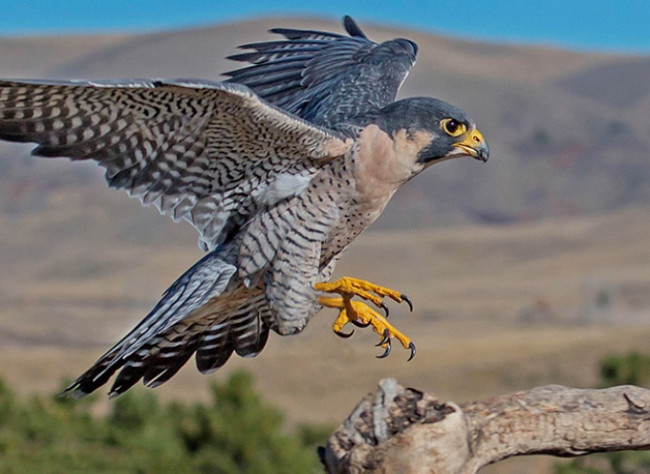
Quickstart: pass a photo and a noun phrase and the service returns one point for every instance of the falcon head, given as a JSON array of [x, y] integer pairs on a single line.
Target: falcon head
[[439, 130]]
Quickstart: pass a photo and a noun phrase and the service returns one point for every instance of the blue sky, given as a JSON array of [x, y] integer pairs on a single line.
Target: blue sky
[[620, 26]]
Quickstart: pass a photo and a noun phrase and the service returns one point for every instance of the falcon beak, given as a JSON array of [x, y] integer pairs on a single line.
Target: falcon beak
[[474, 145]]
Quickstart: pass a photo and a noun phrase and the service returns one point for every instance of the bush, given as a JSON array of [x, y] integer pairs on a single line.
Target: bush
[[632, 368], [235, 433]]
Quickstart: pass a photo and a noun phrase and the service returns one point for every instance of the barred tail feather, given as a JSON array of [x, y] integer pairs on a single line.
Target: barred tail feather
[[213, 339], [245, 332], [144, 347]]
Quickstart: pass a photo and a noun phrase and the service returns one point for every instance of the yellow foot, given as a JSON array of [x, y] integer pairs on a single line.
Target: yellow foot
[[360, 314]]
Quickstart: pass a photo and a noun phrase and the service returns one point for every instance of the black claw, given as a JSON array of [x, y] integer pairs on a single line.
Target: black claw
[[384, 339], [360, 325], [408, 301], [385, 308], [344, 335], [412, 347], [386, 352]]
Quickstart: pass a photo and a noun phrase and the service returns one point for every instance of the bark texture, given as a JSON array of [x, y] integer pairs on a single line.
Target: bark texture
[[403, 430]]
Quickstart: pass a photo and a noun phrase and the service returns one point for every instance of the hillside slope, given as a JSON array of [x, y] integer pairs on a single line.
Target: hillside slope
[[568, 131]]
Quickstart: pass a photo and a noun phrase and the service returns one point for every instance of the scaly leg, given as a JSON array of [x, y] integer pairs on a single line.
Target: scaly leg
[[359, 313]]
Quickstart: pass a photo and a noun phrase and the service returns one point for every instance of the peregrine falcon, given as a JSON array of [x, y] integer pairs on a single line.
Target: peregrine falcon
[[279, 168]]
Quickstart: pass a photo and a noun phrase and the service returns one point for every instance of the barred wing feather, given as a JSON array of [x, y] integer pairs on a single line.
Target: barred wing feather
[[206, 152]]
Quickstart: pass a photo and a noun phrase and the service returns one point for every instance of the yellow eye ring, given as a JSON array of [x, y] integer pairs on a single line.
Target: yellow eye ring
[[453, 127]]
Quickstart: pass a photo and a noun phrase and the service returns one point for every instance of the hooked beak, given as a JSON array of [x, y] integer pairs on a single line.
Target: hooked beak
[[474, 145]]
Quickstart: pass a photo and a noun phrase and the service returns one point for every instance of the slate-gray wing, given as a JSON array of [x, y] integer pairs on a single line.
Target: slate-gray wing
[[326, 78]]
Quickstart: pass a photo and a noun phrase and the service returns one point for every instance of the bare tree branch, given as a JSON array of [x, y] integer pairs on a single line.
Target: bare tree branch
[[405, 430]]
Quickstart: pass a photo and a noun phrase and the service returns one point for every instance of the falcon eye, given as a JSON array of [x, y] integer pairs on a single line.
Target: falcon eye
[[453, 127]]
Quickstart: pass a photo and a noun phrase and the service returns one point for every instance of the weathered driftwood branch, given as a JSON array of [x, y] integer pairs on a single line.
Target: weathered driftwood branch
[[402, 430]]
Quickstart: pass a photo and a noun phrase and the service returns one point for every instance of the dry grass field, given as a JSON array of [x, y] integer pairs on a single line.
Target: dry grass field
[[497, 309]]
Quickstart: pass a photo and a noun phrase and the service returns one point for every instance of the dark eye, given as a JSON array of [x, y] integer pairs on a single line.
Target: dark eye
[[453, 127]]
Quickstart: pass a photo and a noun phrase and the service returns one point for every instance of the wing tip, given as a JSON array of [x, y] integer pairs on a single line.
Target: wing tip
[[75, 391], [353, 28]]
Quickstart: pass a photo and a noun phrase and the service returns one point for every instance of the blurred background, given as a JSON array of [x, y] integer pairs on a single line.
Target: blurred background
[[529, 270]]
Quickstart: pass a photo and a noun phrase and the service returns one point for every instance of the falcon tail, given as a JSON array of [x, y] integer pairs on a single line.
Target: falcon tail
[[193, 316]]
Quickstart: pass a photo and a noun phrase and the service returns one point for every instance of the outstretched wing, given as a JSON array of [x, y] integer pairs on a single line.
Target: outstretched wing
[[207, 152], [326, 78]]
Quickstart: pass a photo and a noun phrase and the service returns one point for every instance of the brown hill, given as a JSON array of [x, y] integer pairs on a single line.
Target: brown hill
[[568, 131]]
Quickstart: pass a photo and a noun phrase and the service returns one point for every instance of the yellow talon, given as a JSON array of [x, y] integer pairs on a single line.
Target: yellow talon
[[359, 313], [362, 288]]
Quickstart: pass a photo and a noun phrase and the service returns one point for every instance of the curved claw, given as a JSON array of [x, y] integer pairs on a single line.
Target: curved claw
[[412, 347], [344, 335], [360, 325], [385, 308], [385, 338], [408, 301], [386, 352]]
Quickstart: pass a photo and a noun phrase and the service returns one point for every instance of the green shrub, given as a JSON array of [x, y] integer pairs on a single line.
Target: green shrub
[[235, 433], [632, 368]]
